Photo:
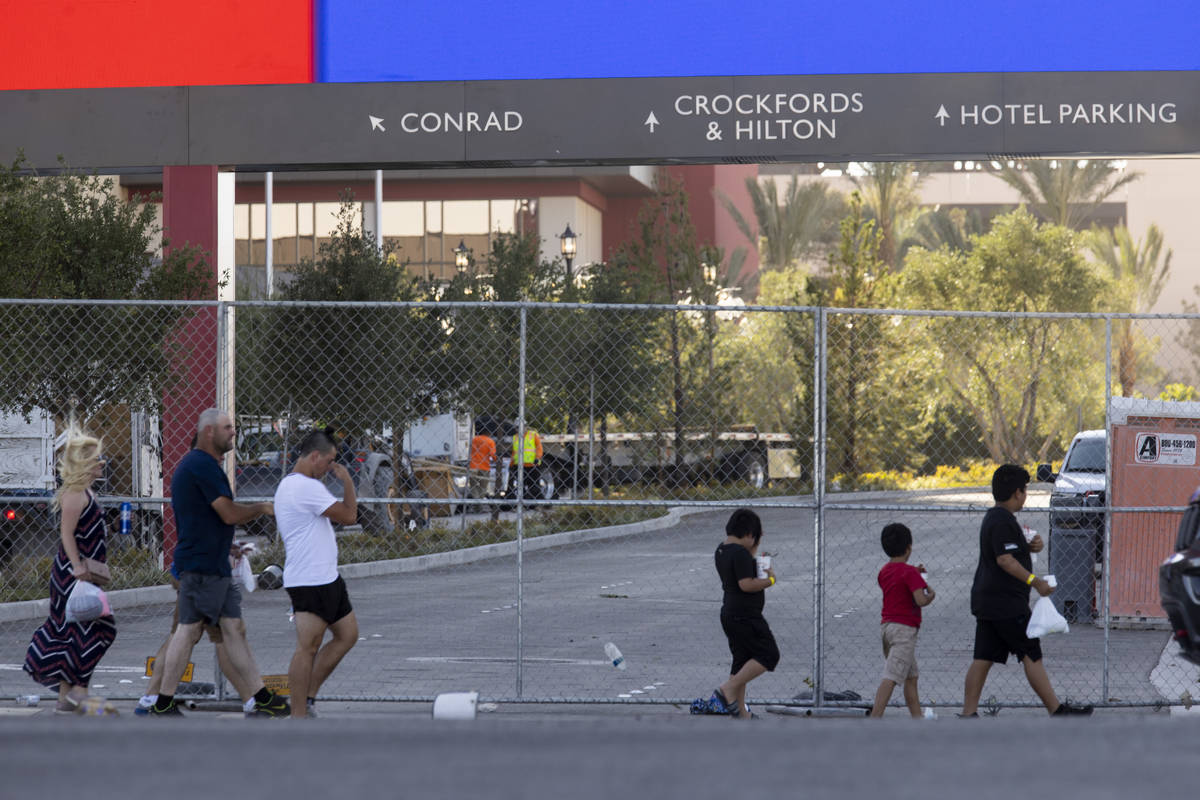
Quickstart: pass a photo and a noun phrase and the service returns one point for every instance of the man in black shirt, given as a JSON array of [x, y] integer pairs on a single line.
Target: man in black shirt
[[750, 639], [1000, 597]]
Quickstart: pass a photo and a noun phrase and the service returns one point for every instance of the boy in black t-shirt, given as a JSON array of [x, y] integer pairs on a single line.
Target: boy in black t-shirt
[[1000, 597], [750, 640]]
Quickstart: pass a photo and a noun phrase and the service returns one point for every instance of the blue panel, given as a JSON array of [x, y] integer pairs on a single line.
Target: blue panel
[[420, 40]]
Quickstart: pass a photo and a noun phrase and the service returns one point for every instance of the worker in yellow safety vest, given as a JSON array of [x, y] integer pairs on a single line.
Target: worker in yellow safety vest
[[531, 456], [531, 453]]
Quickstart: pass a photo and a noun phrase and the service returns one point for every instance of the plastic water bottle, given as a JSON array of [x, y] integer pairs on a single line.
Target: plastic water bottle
[[126, 518], [614, 655]]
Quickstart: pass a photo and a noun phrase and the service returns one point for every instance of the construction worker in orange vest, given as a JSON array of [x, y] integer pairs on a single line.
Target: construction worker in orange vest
[[483, 459]]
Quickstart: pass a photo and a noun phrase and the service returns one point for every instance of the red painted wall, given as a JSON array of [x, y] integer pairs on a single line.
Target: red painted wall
[[190, 218], [65, 44], [713, 223]]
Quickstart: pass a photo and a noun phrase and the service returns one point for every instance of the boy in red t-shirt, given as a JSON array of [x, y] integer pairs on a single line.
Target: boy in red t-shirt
[[904, 593]]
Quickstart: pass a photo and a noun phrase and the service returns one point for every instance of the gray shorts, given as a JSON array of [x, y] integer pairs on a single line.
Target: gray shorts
[[208, 598]]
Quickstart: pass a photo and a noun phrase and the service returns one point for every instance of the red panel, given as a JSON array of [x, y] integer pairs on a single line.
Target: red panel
[[190, 218], [62, 44]]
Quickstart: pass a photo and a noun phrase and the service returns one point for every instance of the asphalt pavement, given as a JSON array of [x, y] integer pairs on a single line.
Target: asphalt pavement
[[590, 753], [655, 595]]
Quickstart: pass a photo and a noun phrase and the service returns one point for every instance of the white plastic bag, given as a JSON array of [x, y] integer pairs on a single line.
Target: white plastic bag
[[1045, 619], [242, 574], [86, 602]]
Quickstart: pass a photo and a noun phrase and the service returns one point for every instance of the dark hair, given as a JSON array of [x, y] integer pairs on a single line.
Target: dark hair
[[1007, 479], [318, 441], [896, 538], [743, 523]]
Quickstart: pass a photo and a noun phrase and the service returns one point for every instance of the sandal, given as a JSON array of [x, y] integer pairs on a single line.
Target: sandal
[[68, 704]]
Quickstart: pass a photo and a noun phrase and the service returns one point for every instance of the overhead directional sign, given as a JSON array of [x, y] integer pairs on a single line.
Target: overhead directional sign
[[634, 120]]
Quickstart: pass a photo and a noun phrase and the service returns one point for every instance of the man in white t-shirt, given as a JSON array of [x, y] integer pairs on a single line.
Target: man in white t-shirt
[[304, 513]]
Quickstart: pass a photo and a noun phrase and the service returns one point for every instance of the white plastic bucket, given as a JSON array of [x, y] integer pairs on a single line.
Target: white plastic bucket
[[455, 705]]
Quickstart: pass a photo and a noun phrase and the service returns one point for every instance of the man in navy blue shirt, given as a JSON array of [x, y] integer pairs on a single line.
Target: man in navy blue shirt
[[205, 516]]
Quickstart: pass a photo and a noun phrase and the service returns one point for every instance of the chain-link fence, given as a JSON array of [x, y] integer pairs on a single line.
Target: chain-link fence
[[624, 436]]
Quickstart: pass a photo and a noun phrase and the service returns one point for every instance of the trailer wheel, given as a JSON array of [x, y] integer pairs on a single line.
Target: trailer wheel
[[755, 472]]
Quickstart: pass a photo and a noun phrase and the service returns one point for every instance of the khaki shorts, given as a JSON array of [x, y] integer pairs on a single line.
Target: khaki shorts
[[900, 650]]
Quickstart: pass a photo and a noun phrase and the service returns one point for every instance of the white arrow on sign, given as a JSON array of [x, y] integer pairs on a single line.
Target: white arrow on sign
[[651, 121], [376, 123], [942, 115]]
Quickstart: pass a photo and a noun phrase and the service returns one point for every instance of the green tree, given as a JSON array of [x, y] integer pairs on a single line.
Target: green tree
[[485, 342], [666, 262], [759, 353], [889, 192], [365, 369], [784, 231], [70, 236], [1179, 393], [946, 227], [1137, 279], [1020, 379], [1066, 192]]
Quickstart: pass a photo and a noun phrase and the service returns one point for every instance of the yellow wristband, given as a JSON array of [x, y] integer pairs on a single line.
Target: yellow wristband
[[771, 578], [1029, 581]]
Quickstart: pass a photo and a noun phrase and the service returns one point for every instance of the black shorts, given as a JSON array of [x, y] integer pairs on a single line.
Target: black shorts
[[996, 638], [330, 602], [749, 638]]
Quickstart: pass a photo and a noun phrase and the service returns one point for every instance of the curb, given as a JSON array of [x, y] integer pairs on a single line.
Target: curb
[[501, 549], [1173, 676], [155, 595]]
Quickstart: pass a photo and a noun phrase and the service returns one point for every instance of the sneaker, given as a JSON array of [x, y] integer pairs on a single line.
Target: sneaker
[[275, 707], [1066, 709], [972, 715], [170, 711], [144, 705], [310, 709]]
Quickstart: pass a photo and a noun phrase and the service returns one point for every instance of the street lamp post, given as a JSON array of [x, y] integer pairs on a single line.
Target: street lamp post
[[567, 243], [462, 257]]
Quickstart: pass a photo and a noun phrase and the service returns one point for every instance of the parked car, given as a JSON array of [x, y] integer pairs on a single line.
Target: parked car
[[1077, 499], [1179, 583]]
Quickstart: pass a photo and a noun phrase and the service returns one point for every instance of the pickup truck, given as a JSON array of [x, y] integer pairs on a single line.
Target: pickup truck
[[1077, 523]]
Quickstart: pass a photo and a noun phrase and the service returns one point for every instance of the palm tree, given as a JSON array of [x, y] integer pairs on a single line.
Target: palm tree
[[1066, 192], [783, 231], [945, 227], [1139, 279], [889, 192]]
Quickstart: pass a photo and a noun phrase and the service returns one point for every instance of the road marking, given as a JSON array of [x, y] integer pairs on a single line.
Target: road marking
[[140, 670], [19, 712], [581, 662]]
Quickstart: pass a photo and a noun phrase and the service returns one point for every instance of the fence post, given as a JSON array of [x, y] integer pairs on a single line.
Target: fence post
[[520, 452], [224, 400], [819, 454], [1108, 463]]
